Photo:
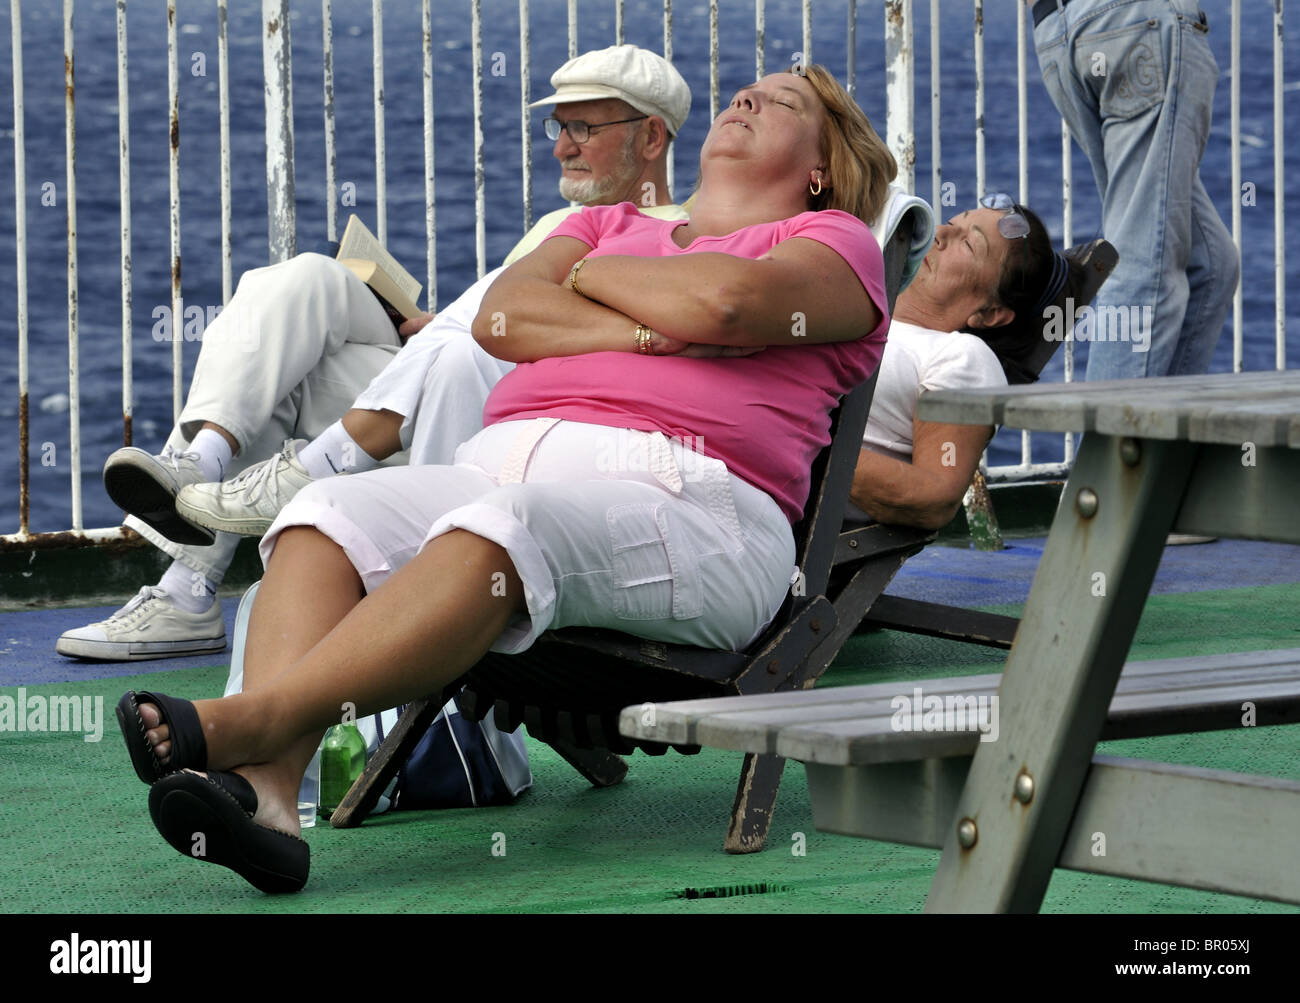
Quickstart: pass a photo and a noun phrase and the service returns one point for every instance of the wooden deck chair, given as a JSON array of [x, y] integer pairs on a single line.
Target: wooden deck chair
[[570, 686], [884, 549]]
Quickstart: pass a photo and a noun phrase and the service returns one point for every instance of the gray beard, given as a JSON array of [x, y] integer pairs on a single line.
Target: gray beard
[[590, 192], [602, 192]]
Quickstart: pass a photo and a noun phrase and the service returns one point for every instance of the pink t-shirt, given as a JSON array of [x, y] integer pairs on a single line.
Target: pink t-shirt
[[766, 416]]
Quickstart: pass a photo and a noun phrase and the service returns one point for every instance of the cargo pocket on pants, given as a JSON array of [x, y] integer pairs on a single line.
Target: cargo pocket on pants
[[655, 574]]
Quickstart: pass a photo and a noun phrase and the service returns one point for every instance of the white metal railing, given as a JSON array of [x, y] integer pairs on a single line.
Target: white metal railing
[[899, 71]]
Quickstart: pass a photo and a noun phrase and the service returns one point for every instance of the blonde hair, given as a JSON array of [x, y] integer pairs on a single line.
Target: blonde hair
[[859, 163]]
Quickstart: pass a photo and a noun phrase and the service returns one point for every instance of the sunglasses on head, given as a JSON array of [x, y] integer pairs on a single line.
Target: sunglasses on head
[[1013, 224]]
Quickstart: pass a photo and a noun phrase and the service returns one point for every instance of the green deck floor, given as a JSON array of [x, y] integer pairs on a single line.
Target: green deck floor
[[74, 819]]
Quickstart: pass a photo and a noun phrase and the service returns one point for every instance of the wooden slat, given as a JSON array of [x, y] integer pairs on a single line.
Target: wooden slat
[[851, 724], [936, 620], [1223, 408], [1139, 715], [1161, 822]]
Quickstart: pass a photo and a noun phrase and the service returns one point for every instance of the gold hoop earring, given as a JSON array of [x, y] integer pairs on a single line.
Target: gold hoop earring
[[818, 191]]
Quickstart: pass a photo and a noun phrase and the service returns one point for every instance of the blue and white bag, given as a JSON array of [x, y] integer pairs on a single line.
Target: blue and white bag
[[457, 764]]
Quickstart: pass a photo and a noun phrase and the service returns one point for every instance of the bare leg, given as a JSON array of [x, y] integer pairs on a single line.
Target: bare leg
[[377, 432], [422, 629]]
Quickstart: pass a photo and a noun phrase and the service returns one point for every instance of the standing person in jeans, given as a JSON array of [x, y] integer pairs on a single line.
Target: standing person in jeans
[[1134, 81]]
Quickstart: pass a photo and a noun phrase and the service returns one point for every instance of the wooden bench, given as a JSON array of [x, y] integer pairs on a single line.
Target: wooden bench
[[878, 768], [1206, 454]]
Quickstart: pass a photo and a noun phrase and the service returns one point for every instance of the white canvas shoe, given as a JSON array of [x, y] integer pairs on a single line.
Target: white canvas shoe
[[149, 626], [249, 503], [146, 486]]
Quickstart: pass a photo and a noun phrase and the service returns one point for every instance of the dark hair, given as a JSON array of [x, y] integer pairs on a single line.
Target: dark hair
[[1026, 273]]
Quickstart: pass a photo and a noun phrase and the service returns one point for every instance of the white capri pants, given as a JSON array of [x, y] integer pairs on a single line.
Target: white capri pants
[[606, 528]]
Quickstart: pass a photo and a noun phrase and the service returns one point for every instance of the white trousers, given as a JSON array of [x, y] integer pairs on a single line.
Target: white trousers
[[440, 381], [285, 359], [605, 527], [303, 341]]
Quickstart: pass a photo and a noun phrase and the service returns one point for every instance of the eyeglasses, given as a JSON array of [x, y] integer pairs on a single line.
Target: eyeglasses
[[579, 131], [1013, 224]]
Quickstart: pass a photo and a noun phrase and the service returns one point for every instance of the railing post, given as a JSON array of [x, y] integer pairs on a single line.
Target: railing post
[[223, 99], [1279, 175], [526, 97], [20, 262], [70, 198], [480, 162], [668, 55], [331, 154], [851, 53], [1234, 102], [936, 158], [713, 60], [277, 71], [124, 215], [806, 58], [900, 114], [430, 196], [174, 202], [978, 45], [381, 153]]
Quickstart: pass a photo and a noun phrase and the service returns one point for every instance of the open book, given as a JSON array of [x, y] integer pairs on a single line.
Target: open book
[[369, 261]]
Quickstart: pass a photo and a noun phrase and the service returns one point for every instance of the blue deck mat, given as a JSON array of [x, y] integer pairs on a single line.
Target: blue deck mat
[[27, 654], [938, 574], [981, 578]]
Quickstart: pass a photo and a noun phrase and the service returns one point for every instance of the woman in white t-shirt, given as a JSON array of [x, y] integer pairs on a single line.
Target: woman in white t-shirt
[[972, 317]]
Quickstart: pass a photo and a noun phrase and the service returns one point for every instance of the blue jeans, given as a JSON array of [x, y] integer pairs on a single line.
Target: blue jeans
[[1134, 81]]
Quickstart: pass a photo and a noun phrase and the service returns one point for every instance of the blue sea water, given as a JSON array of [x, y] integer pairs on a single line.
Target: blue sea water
[[97, 204]]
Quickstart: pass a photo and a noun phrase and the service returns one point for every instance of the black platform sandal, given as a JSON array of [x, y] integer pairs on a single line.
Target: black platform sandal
[[211, 818], [189, 747]]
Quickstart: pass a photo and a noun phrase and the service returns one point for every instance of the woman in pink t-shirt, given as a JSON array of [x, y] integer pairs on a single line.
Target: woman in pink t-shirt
[[640, 470]]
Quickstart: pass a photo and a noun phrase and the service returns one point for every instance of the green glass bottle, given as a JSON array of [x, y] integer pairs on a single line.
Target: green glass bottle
[[342, 758]]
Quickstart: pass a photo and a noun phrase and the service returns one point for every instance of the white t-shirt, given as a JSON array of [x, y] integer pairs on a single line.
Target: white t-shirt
[[917, 359]]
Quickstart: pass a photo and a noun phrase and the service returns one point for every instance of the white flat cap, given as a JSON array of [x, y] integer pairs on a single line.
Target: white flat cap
[[629, 73]]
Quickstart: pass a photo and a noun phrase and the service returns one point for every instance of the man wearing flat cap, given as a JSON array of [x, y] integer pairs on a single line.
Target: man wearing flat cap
[[323, 344]]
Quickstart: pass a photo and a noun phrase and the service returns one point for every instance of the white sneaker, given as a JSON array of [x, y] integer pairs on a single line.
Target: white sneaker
[[249, 503], [146, 486], [149, 626]]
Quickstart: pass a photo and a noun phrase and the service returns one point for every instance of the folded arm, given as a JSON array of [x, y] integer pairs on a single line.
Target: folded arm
[[928, 491], [801, 292], [529, 312]]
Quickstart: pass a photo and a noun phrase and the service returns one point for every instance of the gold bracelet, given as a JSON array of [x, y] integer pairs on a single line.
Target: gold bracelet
[[644, 340], [573, 276]]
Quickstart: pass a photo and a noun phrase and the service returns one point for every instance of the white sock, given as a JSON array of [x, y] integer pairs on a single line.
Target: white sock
[[214, 453], [190, 590], [335, 452]]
